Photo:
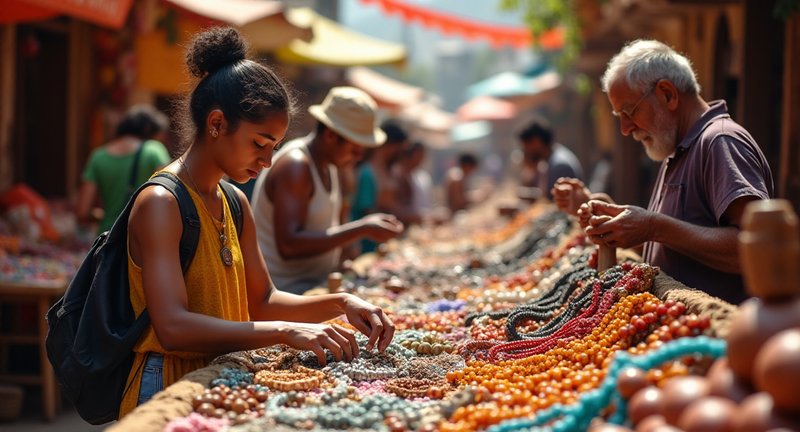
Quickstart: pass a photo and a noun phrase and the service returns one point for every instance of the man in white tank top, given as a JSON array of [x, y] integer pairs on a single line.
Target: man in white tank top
[[297, 201]]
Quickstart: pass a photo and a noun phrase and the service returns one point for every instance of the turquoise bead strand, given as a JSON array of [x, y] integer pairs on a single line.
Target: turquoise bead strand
[[578, 416]]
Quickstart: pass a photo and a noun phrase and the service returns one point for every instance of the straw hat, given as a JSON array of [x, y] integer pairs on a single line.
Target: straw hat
[[351, 113]]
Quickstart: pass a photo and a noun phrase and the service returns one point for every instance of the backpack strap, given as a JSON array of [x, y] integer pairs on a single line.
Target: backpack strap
[[191, 220], [235, 205], [135, 169]]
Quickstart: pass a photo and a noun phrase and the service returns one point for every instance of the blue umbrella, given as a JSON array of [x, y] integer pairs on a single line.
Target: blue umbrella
[[470, 131], [510, 84]]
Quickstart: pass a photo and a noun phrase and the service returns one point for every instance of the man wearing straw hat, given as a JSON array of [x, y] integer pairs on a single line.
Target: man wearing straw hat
[[297, 201]]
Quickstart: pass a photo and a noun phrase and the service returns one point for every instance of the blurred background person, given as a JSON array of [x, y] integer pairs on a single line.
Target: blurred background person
[[544, 160], [117, 168], [413, 198], [376, 187], [457, 192], [421, 182]]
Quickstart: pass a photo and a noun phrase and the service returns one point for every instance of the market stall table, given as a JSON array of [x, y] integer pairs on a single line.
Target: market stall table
[[422, 385], [44, 293]]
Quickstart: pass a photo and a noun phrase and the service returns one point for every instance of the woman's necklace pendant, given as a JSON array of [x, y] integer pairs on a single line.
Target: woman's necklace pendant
[[226, 255], [224, 252]]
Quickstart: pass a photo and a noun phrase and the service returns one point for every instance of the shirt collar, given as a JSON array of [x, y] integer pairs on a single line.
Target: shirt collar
[[716, 109]]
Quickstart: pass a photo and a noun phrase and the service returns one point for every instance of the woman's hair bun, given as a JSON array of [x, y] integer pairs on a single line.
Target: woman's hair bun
[[213, 49]]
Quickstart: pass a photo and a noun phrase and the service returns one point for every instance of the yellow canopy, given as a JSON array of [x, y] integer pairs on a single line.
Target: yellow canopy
[[161, 63], [261, 22], [334, 45]]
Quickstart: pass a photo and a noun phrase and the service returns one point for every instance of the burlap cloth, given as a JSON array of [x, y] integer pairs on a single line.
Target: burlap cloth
[[173, 402], [697, 302], [176, 400]]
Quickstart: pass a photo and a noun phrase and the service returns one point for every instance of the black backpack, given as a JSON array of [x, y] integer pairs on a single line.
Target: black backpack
[[92, 328]]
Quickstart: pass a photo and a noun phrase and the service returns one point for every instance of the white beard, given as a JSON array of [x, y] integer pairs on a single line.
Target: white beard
[[661, 143]]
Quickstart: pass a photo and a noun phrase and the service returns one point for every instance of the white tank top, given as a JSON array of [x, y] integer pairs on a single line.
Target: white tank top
[[298, 274]]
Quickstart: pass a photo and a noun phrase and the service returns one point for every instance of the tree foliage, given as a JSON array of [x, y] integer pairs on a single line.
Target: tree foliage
[[544, 15]]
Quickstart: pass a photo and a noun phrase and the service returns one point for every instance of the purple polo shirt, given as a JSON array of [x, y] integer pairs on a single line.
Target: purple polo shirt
[[716, 163]]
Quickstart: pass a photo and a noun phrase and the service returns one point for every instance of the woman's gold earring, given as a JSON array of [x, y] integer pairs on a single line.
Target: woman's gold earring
[[214, 133]]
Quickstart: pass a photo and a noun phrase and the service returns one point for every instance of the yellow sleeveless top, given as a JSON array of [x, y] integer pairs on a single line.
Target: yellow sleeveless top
[[212, 289]]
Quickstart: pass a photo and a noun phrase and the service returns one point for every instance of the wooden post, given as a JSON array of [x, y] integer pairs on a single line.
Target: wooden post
[[769, 250], [8, 65], [79, 65], [334, 282], [761, 84], [789, 172], [606, 257]]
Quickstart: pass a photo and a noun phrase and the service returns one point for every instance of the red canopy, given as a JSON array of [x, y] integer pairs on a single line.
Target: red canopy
[[497, 35], [19, 11], [107, 13]]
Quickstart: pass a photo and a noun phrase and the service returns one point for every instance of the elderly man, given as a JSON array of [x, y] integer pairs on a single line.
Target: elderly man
[[297, 202], [710, 169]]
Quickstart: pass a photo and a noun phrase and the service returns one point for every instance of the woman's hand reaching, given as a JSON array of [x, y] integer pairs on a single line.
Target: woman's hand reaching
[[370, 320], [340, 341]]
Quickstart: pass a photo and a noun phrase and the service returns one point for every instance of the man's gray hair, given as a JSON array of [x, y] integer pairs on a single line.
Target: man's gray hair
[[643, 62]]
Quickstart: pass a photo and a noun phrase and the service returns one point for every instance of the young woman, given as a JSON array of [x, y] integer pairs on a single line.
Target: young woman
[[236, 115]]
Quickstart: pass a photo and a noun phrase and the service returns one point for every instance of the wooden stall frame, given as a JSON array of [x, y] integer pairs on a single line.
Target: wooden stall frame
[[42, 293]]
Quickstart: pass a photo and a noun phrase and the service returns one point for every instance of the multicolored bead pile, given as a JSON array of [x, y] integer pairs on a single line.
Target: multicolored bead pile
[[532, 337], [40, 261]]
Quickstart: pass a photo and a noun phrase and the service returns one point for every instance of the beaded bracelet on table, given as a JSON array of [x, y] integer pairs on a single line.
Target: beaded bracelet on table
[[299, 378]]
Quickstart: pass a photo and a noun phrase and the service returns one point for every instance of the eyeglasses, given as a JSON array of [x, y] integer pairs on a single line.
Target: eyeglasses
[[629, 113]]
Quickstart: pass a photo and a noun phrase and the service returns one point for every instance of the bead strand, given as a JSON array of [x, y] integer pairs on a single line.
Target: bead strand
[[528, 347], [521, 387], [639, 279], [591, 403]]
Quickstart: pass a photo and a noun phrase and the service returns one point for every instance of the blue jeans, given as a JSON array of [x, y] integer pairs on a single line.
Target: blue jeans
[[152, 377]]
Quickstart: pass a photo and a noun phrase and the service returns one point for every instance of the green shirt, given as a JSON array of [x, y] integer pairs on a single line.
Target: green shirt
[[365, 201], [111, 174]]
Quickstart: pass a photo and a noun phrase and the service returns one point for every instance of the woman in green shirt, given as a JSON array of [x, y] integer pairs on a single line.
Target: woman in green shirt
[[109, 170]]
